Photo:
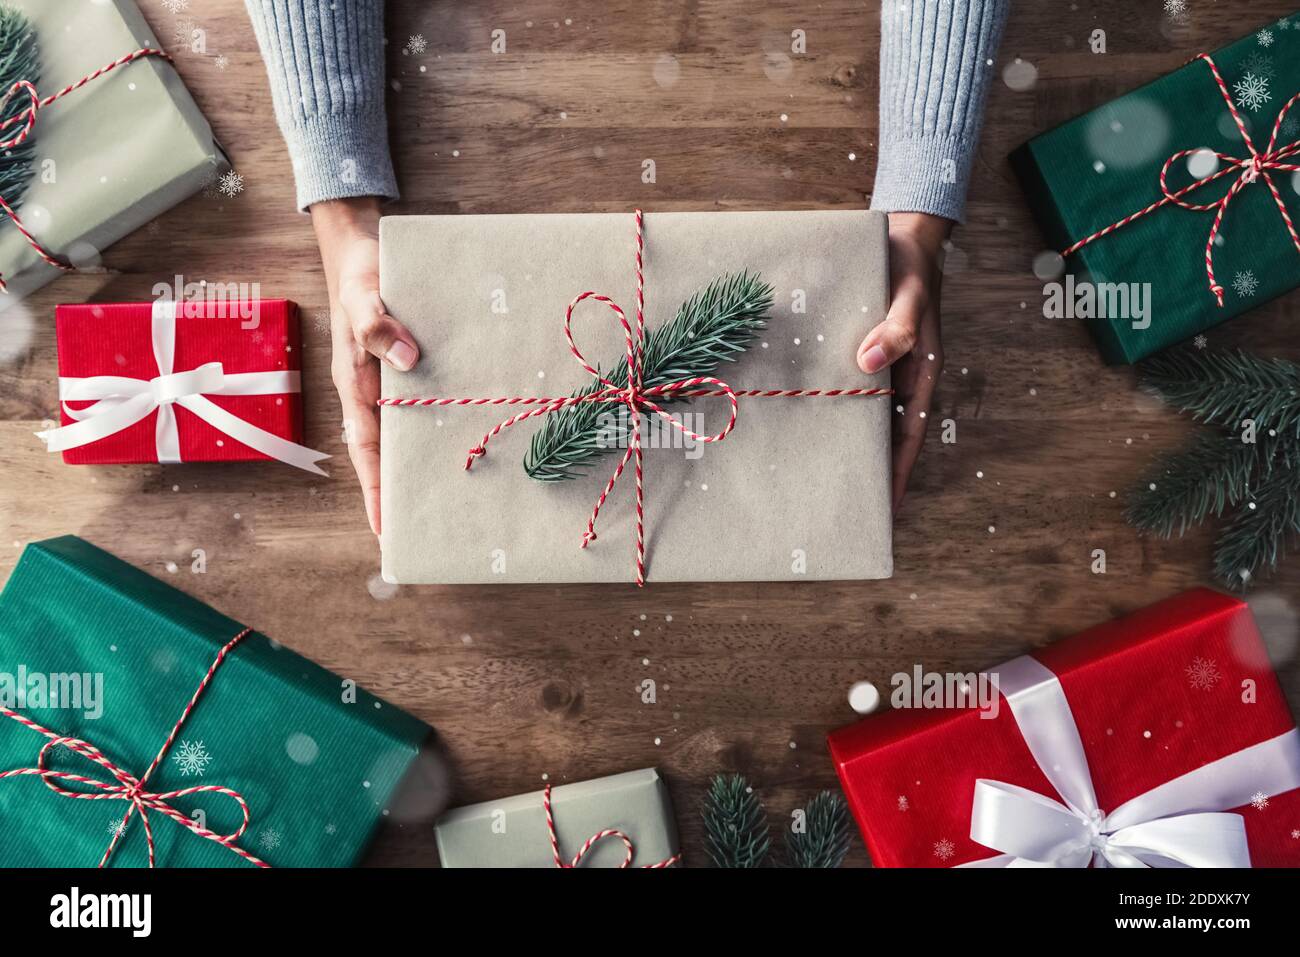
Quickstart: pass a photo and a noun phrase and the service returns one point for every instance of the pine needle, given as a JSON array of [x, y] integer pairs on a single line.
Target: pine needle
[[18, 61], [714, 326], [1255, 484], [735, 823], [824, 842]]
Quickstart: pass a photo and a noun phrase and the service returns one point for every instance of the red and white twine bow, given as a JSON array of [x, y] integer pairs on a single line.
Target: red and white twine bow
[[26, 119], [1250, 169], [591, 842], [634, 395], [132, 789]]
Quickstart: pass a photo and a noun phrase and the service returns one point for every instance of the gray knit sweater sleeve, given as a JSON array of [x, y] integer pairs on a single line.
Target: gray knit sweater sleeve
[[325, 60], [936, 60]]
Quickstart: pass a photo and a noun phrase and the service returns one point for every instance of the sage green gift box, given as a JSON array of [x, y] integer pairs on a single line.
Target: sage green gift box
[[512, 832], [110, 157], [316, 759]]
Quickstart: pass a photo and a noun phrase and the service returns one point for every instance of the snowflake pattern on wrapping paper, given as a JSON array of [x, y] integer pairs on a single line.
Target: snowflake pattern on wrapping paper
[[1259, 800], [1265, 38], [1176, 9], [416, 45], [1259, 63], [192, 757], [903, 803], [1245, 284], [269, 839], [1252, 91], [1203, 674], [944, 849], [231, 184]]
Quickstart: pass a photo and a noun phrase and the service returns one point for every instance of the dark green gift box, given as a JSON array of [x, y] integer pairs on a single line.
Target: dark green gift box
[[1105, 165], [316, 759]]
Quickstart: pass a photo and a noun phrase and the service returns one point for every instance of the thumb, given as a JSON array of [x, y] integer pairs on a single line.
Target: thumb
[[380, 334], [892, 339]]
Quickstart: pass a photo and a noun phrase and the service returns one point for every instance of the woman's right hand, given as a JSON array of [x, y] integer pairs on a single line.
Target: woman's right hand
[[362, 331]]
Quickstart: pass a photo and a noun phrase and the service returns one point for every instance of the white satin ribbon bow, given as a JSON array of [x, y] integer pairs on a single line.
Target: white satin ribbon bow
[[121, 401], [1180, 823]]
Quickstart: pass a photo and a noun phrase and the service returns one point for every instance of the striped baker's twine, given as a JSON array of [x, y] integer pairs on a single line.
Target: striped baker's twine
[[633, 395], [1249, 170], [26, 119], [592, 841], [130, 788]]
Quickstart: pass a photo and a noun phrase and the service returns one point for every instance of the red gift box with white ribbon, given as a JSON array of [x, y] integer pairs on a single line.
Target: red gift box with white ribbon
[[194, 381], [1161, 739]]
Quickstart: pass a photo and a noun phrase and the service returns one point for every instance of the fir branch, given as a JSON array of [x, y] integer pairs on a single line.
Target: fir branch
[[825, 839], [1223, 388], [18, 61], [1193, 484], [714, 326], [1258, 534], [735, 823]]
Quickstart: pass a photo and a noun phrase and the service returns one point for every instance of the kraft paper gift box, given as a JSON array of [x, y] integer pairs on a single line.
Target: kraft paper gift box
[[799, 490], [316, 764], [513, 832], [1166, 731], [1103, 166], [109, 157]]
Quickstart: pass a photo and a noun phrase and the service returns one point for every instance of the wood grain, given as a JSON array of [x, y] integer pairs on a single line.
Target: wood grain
[[993, 547]]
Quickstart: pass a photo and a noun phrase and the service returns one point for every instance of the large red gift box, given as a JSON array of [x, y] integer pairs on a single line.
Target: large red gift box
[[243, 358], [1176, 687]]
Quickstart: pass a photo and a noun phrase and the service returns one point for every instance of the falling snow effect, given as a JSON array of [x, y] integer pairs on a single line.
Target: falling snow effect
[[903, 804], [115, 826], [1265, 38], [192, 758], [1252, 91], [944, 849], [1203, 674], [416, 45], [1244, 283], [231, 184], [1259, 800], [1175, 8], [176, 6], [183, 32], [222, 61], [1200, 342]]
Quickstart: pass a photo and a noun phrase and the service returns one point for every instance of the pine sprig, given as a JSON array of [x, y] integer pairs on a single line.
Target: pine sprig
[[1223, 388], [1254, 484], [714, 326], [735, 823], [824, 842], [18, 61]]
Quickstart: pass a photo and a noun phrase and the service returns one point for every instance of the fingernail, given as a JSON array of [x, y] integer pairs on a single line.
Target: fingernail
[[875, 359], [400, 355]]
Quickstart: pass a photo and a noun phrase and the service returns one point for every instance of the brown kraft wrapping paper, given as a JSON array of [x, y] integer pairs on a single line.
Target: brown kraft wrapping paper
[[800, 488]]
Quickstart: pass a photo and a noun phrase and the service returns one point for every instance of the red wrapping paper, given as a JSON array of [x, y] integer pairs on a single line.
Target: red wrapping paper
[[115, 339], [909, 775]]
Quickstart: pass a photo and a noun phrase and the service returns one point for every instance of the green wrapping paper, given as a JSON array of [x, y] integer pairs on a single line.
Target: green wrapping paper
[[512, 832], [1105, 165], [317, 770]]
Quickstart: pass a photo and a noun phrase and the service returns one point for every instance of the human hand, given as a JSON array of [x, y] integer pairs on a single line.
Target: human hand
[[362, 331], [908, 339]]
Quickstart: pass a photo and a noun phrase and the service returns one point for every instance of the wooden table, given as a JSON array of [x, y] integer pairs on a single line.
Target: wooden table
[[994, 547]]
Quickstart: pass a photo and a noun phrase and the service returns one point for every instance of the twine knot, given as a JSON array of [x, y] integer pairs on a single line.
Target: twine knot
[[592, 841], [1254, 168], [130, 788]]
